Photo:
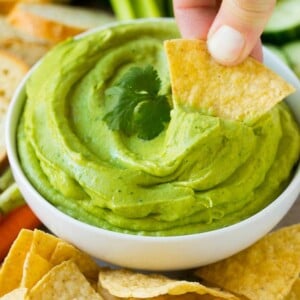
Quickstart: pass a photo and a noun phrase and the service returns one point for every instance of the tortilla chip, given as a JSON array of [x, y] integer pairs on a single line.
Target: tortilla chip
[[266, 270], [295, 292], [85, 263], [34, 268], [243, 92], [55, 251], [12, 267], [189, 296], [64, 281], [128, 284], [17, 294], [43, 243]]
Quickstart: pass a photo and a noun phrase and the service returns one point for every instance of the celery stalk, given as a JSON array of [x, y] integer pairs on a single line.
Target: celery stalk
[[161, 5], [170, 8], [123, 9], [11, 198], [147, 8], [6, 179]]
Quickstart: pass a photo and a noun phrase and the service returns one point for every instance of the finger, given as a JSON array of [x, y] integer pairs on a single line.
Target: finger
[[237, 28], [257, 52], [194, 17]]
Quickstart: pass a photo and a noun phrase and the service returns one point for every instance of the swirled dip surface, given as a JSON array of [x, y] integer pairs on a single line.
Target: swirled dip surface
[[199, 174]]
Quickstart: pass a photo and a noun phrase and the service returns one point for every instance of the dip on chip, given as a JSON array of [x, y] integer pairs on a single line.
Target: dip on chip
[[243, 92], [102, 138]]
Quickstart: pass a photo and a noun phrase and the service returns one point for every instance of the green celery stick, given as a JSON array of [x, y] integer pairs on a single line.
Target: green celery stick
[[123, 9], [6, 179], [11, 198], [162, 6], [170, 8], [147, 8]]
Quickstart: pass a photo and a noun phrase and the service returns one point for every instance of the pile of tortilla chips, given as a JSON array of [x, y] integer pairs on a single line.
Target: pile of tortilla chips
[[268, 270], [42, 266]]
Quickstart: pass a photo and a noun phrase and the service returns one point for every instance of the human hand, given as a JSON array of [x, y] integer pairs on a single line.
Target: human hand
[[232, 27]]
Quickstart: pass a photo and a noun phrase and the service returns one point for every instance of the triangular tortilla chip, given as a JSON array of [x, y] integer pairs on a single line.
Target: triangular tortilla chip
[[129, 284], [243, 92], [34, 268], [266, 270], [43, 243], [85, 263], [12, 267], [64, 281]]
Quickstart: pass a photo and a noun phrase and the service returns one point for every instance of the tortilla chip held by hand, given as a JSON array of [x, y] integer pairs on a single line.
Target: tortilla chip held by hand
[[243, 92]]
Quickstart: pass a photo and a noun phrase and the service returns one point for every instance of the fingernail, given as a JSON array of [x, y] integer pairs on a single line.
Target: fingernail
[[226, 44]]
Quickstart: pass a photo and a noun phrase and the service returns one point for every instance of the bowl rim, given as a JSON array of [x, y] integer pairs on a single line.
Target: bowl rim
[[12, 120]]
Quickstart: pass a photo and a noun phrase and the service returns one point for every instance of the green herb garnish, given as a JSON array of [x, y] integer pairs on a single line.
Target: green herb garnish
[[140, 109]]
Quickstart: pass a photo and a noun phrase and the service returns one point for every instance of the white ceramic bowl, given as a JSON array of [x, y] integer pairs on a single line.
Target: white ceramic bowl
[[155, 253]]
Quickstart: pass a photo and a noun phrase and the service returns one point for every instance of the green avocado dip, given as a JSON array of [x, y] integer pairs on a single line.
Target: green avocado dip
[[198, 174]]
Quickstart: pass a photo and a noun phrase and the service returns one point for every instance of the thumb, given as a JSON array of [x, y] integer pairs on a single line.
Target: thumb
[[236, 30]]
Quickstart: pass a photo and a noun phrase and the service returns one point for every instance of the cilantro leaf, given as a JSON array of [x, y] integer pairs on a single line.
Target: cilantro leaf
[[141, 80], [150, 117], [140, 109]]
